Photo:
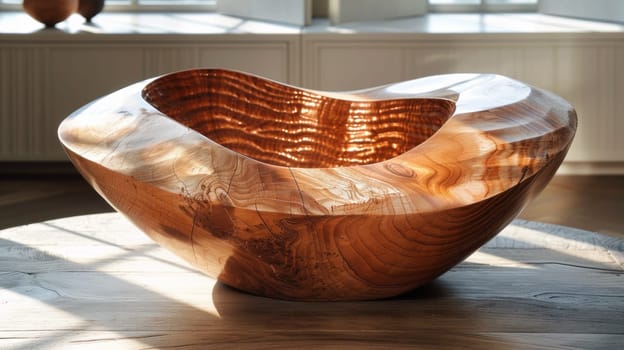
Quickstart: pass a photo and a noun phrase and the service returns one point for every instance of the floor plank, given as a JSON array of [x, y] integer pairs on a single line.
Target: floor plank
[[593, 203]]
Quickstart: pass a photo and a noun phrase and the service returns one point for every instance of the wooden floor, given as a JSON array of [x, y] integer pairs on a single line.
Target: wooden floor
[[94, 281], [87, 282], [594, 203]]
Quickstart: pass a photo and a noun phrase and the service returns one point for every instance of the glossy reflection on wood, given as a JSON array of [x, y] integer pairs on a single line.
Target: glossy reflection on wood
[[285, 126], [309, 195]]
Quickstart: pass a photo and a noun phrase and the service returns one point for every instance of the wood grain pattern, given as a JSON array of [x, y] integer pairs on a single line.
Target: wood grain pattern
[[96, 282], [308, 195]]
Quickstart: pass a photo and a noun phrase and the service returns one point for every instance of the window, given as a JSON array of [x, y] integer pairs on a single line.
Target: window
[[211, 5], [137, 5], [482, 5], [160, 5], [10, 4]]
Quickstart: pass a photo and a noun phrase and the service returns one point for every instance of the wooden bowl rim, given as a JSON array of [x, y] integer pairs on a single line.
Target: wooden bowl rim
[[414, 165]]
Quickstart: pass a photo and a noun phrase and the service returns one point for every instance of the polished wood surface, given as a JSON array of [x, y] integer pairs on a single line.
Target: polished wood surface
[[31, 193], [309, 195], [290, 127], [96, 282]]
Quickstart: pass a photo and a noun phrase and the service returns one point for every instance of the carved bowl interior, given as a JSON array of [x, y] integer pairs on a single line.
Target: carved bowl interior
[[286, 126], [309, 195]]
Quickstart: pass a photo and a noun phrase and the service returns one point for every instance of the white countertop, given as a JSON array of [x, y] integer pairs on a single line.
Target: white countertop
[[146, 23], [213, 23], [471, 23]]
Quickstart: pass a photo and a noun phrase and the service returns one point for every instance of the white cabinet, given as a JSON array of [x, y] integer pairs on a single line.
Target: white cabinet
[[584, 68], [45, 78], [44, 81]]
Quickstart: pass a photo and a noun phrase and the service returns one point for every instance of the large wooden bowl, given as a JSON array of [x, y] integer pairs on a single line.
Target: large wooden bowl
[[308, 195]]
